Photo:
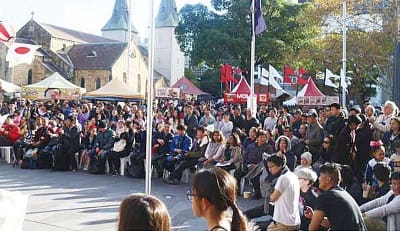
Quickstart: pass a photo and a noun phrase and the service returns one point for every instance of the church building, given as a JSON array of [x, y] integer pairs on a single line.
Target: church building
[[91, 61]]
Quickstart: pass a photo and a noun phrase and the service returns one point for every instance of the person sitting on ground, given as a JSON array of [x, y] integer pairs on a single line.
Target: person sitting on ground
[[214, 151], [232, 154], [143, 212], [213, 197], [334, 208], [191, 157], [386, 207], [308, 195]]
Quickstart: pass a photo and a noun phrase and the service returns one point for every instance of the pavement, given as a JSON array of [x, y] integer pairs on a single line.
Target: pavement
[[61, 201]]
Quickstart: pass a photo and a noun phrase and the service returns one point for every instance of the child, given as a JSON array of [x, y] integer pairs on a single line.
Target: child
[[395, 157], [378, 153]]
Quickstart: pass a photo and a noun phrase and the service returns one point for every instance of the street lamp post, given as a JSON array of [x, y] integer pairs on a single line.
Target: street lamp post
[[343, 72]]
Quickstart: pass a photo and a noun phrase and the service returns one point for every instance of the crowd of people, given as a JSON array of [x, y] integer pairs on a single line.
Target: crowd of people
[[280, 151]]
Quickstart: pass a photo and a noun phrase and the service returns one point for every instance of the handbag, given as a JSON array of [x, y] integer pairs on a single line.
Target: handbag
[[119, 146]]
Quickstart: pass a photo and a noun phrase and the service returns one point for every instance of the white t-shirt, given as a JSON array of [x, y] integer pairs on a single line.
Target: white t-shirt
[[269, 123], [286, 209]]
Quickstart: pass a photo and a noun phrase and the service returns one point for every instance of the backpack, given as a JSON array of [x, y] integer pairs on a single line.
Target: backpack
[[97, 165], [136, 168]]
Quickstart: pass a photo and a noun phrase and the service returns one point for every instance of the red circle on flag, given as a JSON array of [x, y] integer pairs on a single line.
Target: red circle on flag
[[22, 50]]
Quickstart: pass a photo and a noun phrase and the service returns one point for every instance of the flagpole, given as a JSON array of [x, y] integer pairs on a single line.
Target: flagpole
[[325, 81], [149, 119], [343, 74], [128, 58], [252, 56], [269, 79]]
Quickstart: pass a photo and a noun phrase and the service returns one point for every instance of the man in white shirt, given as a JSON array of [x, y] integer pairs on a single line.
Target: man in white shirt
[[270, 122], [285, 196]]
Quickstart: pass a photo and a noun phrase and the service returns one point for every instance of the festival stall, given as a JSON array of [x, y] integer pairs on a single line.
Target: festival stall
[[115, 90], [310, 95], [241, 93], [52, 87], [188, 91]]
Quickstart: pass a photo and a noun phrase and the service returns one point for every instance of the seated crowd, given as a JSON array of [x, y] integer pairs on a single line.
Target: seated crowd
[[280, 152]]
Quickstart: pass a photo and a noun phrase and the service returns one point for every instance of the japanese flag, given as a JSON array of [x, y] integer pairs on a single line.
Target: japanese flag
[[7, 32], [20, 53]]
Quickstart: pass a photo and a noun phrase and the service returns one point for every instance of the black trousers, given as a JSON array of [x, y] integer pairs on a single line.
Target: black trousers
[[255, 181], [181, 166]]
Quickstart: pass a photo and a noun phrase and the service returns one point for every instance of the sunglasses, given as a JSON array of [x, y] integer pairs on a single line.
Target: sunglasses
[[189, 195]]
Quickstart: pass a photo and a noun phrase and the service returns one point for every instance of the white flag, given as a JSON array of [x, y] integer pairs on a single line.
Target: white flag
[[20, 53], [274, 73], [328, 79], [264, 77]]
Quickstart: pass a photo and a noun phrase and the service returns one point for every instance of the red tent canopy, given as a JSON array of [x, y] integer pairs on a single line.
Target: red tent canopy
[[187, 87], [241, 92], [312, 89], [242, 87]]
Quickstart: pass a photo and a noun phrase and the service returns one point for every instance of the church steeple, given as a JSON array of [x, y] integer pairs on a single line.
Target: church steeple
[[119, 19], [167, 14]]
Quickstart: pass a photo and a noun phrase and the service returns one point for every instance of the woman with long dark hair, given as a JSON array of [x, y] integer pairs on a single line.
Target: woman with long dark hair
[[213, 194]]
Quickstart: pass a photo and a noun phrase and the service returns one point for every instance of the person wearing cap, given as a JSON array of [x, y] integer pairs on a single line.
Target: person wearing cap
[[180, 144], [395, 157], [296, 122], [345, 151], [307, 178], [355, 110], [103, 143], [314, 134]]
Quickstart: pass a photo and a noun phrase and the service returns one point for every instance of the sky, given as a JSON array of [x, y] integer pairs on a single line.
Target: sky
[[82, 15]]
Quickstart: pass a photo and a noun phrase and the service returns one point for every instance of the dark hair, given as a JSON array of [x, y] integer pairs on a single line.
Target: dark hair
[[71, 118], [219, 188], [335, 105], [143, 212], [261, 132], [181, 127], [236, 139], [346, 175], [395, 176], [332, 170], [278, 160], [202, 129], [382, 172]]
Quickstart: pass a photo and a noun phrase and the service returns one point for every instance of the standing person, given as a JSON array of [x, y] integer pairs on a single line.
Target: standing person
[[392, 135], [382, 123], [386, 207], [363, 140], [285, 196], [213, 196], [335, 123], [334, 206], [143, 212], [237, 118], [190, 121], [270, 122], [70, 141], [314, 134], [225, 126]]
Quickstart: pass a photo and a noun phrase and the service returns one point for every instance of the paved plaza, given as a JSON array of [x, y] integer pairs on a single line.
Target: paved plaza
[[62, 201]]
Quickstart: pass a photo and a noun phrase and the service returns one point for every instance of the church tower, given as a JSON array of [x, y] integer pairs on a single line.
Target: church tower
[[169, 60], [117, 27]]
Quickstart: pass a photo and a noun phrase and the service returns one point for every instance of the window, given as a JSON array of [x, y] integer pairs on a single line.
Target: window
[[30, 81], [83, 82], [98, 83], [139, 83], [110, 77], [124, 77]]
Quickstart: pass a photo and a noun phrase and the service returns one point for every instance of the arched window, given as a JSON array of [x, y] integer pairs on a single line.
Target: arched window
[[83, 84], [98, 83], [124, 77], [139, 83], [30, 81]]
